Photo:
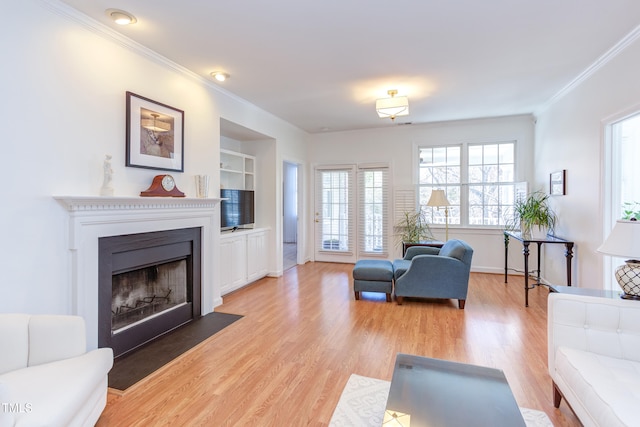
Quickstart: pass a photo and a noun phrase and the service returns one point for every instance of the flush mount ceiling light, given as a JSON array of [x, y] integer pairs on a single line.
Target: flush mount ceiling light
[[392, 107], [220, 75], [121, 17]]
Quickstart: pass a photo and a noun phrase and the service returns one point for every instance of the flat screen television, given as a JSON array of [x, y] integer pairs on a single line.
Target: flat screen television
[[238, 210]]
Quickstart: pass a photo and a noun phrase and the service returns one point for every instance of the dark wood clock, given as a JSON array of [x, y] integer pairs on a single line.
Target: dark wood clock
[[162, 186]]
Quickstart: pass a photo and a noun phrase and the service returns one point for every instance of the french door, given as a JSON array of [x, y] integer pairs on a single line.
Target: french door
[[334, 214], [351, 220]]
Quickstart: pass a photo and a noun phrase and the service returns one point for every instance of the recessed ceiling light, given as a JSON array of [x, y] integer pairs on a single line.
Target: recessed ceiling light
[[220, 75], [121, 17]]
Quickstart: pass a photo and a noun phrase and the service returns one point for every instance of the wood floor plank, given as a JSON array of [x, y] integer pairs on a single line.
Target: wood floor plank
[[303, 334]]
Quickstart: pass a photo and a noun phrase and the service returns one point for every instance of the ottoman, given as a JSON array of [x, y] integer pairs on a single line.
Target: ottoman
[[373, 275]]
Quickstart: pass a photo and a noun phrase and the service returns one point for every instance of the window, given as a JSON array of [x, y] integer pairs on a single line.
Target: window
[[373, 210], [491, 183], [621, 177], [626, 174], [479, 180], [440, 168]]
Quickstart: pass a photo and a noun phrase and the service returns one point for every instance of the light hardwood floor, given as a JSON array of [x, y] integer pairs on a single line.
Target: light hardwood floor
[[287, 360]]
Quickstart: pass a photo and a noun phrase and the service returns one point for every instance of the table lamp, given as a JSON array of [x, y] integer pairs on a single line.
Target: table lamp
[[438, 199], [624, 241]]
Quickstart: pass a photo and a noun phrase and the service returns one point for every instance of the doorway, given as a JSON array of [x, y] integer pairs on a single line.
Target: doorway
[[290, 215]]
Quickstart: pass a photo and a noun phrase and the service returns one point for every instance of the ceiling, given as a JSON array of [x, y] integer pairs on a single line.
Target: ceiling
[[321, 65]]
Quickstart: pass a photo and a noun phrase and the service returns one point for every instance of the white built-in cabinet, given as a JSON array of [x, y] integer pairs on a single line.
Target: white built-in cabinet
[[256, 255], [243, 258], [237, 170]]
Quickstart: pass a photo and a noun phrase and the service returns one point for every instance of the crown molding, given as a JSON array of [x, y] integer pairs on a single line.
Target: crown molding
[[604, 59], [98, 28]]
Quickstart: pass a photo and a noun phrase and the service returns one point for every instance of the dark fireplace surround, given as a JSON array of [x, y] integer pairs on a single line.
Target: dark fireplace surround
[[142, 252]]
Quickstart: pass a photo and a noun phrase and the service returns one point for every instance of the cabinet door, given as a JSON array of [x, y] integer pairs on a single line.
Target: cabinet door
[[233, 261], [226, 255], [238, 264], [256, 255]]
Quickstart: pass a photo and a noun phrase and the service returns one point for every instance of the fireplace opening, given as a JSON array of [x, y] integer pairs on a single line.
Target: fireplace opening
[[145, 292], [149, 284]]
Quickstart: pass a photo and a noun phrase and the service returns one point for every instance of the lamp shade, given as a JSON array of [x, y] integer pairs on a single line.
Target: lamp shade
[[624, 240], [438, 198]]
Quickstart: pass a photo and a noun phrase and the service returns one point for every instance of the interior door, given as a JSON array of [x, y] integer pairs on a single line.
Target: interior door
[[290, 215], [334, 219]]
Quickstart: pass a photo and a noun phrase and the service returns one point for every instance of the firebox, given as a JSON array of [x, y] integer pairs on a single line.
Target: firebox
[[149, 284]]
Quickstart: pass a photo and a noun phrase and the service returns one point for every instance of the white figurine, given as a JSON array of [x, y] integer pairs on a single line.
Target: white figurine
[[107, 189]]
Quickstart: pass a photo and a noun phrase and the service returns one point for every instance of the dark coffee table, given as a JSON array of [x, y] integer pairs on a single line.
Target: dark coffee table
[[436, 392]]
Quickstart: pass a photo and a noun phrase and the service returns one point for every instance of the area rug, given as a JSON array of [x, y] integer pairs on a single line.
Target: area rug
[[364, 399], [131, 368]]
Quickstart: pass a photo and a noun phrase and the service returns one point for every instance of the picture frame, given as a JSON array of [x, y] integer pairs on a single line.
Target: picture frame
[[155, 135], [557, 183]]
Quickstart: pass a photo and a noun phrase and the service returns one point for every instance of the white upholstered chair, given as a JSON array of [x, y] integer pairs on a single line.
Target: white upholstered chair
[[47, 377]]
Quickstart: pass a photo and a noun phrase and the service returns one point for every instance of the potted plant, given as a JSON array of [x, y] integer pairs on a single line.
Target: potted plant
[[413, 227], [535, 216]]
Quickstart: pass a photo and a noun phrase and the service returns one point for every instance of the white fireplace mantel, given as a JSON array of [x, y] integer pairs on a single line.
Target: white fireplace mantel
[[112, 203], [93, 217]]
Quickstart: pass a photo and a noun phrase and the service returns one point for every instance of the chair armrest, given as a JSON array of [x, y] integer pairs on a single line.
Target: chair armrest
[[606, 326], [53, 338], [420, 250]]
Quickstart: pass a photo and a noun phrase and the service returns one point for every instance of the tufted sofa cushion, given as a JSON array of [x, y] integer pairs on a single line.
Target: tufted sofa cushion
[[594, 357], [610, 387]]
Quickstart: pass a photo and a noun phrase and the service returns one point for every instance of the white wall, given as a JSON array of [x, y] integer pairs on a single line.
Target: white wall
[[63, 83], [397, 146], [569, 135]]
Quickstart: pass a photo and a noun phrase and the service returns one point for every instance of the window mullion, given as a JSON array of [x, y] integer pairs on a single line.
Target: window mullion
[[464, 185]]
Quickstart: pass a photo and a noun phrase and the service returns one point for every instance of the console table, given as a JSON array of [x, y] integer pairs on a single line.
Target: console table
[[526, 241]]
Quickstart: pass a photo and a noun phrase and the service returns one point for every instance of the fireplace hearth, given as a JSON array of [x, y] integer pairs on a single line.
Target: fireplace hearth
[[149, 284]]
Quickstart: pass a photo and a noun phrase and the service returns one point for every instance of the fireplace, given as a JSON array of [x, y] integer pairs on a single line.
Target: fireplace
[[148, 284], [91, 218]]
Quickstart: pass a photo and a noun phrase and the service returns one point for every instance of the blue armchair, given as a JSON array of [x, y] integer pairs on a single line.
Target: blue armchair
[[427, 272]]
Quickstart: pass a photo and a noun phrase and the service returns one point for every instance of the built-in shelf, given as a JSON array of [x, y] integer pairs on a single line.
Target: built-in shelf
[[237, 170]]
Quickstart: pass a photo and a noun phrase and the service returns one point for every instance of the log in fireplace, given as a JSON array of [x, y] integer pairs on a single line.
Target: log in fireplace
[[149, 284]]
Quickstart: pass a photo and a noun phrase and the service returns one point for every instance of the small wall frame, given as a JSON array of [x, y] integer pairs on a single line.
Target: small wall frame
[[558, 183]]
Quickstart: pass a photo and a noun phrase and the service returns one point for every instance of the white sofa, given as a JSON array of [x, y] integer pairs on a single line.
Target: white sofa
[[47, 378], [594, 358]]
